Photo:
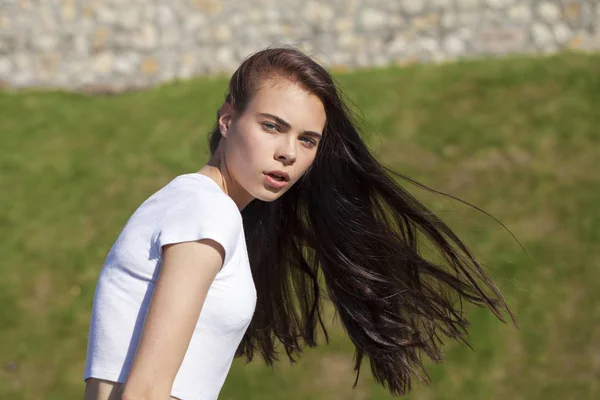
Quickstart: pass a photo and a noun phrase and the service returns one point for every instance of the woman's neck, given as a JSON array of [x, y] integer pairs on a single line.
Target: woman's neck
[[217, 170]]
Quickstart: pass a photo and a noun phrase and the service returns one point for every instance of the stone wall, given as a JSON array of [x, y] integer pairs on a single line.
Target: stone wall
[[124, 44]]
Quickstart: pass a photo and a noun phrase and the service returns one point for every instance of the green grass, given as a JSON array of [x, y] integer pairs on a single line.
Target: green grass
[[517, 137]]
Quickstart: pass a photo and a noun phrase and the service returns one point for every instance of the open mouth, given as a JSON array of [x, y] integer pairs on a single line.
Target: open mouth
[[277, 177]]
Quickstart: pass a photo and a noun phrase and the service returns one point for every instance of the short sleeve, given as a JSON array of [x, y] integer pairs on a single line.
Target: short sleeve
[[206, 216]]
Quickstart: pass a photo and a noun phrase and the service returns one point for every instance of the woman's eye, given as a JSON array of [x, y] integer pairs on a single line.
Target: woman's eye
[[309, 140], [269, 126]]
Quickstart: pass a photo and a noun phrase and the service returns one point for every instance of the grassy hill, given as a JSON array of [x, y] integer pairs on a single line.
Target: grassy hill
[[518, 137]]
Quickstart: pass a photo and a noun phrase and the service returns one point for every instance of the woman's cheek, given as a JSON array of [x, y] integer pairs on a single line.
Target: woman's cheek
[[244, 154], [254, 147]]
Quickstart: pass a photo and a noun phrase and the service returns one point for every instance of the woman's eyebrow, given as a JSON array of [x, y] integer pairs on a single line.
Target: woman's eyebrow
[[286, 124], [275, 118]]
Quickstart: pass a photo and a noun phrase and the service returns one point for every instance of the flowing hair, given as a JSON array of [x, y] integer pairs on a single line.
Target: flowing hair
[[348, 225]]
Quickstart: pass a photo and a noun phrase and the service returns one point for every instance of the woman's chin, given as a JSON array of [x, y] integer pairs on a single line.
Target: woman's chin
[[268, 197], [269, 193]]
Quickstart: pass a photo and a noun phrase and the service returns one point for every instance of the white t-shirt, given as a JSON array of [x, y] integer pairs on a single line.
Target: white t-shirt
[[190, 207]]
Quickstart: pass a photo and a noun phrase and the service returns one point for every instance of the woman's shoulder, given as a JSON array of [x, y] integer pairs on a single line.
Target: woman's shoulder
[[196, 193], [194, 207]]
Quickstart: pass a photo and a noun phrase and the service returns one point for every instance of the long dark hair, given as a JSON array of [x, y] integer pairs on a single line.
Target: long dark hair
[[349, 224]]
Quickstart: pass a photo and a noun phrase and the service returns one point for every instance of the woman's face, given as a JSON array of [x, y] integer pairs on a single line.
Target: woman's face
[[279, 130]]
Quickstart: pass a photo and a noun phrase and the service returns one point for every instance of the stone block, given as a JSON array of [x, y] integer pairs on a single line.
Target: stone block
[[5, 67], [316, 12], [413, 7], [193, 23], [126, 63], [440, 4], [468, 5], [499, 4], [81, 45], [352, 42], [170, 37], [542, 36], [562, 32], [46, 19], [6, 22], [549, 12], [149, 66], [520, 13], [102, 63], [371, 19], [165, 16], [499, 39], [46, 66], [454, 46], [207, 7], [573, 11], [469, 18], [222, 33], [449, 20], [99, 38], [428, 45], [343, 25], [46, 42], [224, 60], [576, 41], [398, 45], [146, 38], [187, 65], [425, 22], [129, 18], [106, 15], [68, 11]]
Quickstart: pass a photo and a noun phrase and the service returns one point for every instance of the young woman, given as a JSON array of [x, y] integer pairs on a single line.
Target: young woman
[[226, 261]]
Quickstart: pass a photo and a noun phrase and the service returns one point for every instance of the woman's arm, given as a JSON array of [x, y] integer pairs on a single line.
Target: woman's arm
[[187, 271]]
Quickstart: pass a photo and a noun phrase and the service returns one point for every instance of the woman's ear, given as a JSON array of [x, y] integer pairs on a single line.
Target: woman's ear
[[225, 118]]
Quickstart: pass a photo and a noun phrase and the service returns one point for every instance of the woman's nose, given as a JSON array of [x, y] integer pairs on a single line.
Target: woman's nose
[[286, 150]]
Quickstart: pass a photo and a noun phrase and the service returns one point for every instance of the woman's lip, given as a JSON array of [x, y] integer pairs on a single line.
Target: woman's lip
[[280, 173], [274, 182]]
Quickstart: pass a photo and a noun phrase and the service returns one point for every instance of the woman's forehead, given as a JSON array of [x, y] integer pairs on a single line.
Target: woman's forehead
[[289, 101]]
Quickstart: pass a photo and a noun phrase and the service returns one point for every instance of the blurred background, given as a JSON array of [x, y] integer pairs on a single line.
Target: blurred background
[[496, 102]]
